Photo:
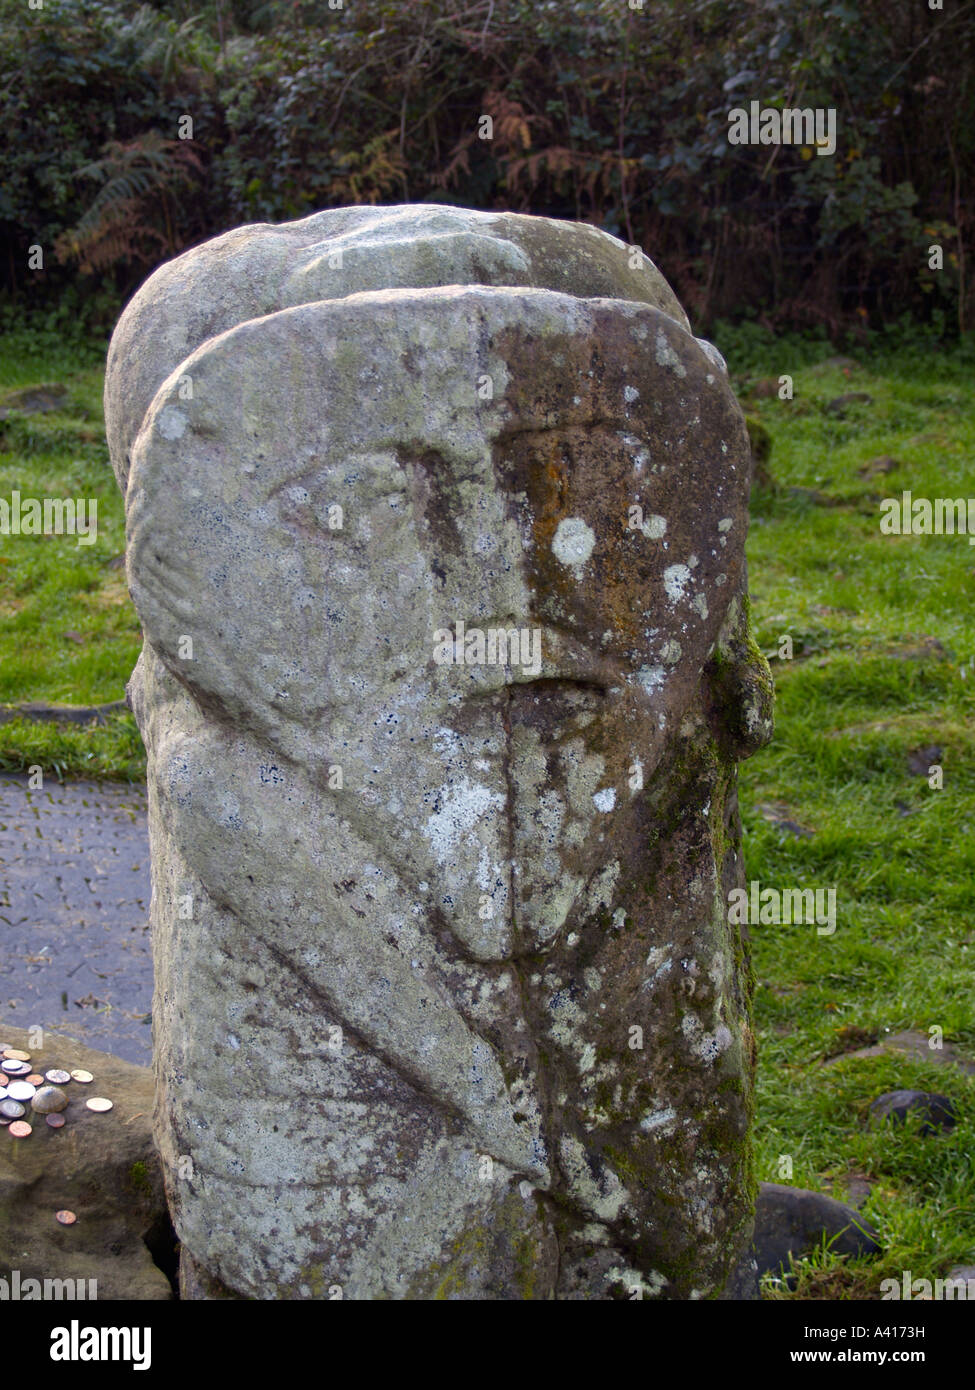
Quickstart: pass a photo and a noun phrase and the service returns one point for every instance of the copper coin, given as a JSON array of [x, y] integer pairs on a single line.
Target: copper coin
[[57, 1077], [99, 1104], [12, 1109], [83, 1077], [20, 1129], [21, 1090], [15, 1068], [55, 1121], [66, 1218], [35, 1079], [12, 1055]]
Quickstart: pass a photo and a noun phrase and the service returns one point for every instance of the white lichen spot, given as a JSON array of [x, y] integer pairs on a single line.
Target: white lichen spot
[[595, 1186], [171, 422], [605, 800], [654, 527], [707, 1046], [670, 652], [630, 394], [675, 580], [461, 808], [651, 678], [666, 356], [700, 605], [573, 543], [655, 1119]]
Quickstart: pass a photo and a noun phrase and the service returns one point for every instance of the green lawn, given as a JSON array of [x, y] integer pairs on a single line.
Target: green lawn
[[68, 631], [883, 666]]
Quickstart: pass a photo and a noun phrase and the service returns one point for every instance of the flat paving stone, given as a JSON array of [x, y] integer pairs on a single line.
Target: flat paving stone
[[75, 952]]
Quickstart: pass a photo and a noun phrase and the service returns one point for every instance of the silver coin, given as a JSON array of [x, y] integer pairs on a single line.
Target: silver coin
[[84, 1078], [12, 1109], [15, 1068], [21, 1090], [99, 1104], [57, 1077]]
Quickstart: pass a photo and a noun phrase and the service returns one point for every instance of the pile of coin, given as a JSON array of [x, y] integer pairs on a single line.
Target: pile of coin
[[21, 1086]]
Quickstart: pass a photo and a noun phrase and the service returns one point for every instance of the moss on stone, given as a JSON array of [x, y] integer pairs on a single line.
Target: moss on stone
[[140, 1179]]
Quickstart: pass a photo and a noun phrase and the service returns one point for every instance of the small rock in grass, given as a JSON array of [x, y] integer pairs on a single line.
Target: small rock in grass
[[792, 1221], [937, 1111]]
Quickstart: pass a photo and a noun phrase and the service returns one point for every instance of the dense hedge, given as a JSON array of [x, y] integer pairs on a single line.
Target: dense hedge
[[600, 111]]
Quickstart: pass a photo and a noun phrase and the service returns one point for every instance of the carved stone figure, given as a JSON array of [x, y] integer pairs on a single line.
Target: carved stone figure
[[436, 527]]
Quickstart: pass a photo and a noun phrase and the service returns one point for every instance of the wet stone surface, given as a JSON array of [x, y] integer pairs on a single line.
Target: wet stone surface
[[74, 912]]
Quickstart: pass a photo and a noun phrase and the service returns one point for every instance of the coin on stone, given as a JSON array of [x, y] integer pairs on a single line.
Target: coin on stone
[[12, 1109], [100, 1104], [12, 1055], [48, 1100], [55, 1121], [15, 1068], [21, 1090], [4, 1120], [35, 1079], [83, 1077], [66, 1218], [57, 1077], [20, 1129]]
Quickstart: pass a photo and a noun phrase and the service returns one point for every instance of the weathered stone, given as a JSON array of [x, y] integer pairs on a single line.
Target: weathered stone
[[447, 1001], [104, 1168], [916, 1045], [792, 1221], [34, 400], [49, 1100], [936, 1112], [839, 404]]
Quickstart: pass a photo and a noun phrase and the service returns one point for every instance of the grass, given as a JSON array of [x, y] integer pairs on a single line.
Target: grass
[[68, 631], [883, 666]]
